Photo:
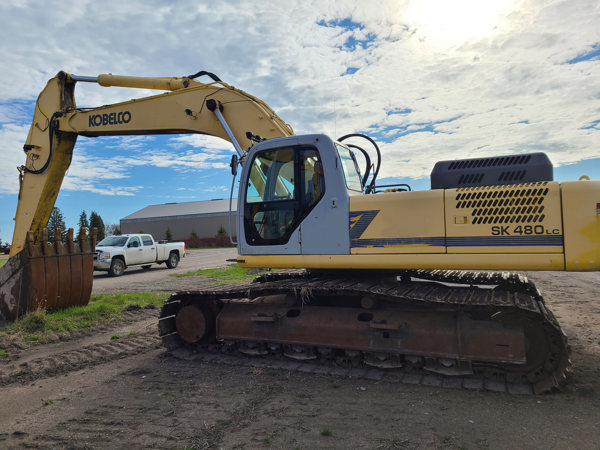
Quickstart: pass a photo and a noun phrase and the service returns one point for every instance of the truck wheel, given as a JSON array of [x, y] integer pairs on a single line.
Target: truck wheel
[[117, 267], [173, 260]]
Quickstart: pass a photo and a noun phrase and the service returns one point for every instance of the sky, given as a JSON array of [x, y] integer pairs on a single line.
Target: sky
[[429, 80]]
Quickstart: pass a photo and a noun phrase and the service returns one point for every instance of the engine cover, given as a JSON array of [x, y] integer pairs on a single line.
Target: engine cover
[[494, 171]]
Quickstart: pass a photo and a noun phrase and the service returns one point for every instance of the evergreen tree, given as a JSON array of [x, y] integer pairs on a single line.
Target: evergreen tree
[[96, 222], [57, 220], [168, 234], [83, 221], [222, 238]]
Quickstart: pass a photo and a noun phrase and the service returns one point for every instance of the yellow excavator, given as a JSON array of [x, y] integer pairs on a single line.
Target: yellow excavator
[[374, 275]]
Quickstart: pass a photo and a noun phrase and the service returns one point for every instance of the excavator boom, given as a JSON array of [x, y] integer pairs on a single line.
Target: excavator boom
[[185, 109]]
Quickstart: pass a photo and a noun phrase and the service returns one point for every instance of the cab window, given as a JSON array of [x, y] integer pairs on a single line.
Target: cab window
[[284, 185], [134, 242], [350, 167]]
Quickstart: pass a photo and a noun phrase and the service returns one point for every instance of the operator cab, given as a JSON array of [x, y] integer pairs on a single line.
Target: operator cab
[[295, 198]]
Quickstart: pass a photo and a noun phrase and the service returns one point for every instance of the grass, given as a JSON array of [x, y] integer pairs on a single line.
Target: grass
[[325, 432], [222, 275], [3, 261], [40, 326]]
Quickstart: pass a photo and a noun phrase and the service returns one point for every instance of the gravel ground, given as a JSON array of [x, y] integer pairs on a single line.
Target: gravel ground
[[98, 392]]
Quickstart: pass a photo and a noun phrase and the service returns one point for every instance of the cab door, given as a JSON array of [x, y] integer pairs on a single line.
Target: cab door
[[135, 252], [272, 203], [148, 249]]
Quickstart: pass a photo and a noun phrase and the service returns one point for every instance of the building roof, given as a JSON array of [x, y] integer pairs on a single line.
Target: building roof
[[186, 210]]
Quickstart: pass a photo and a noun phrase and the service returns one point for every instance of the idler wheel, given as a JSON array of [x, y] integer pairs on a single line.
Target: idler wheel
[[192, 324]]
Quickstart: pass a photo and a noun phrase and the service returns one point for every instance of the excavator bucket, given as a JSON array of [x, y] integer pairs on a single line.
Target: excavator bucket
[[48, 276]]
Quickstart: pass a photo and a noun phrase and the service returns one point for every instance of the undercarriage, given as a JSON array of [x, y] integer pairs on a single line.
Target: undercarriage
[[449, 323]]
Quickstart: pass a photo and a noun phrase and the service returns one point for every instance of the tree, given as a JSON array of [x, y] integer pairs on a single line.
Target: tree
[[222, 238], [112, 229], [96, 222], [168, 234], [57, 220], [83, 221]]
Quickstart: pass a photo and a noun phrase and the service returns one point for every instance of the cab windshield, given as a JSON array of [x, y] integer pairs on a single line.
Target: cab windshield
[[350, 167], [112, 241]]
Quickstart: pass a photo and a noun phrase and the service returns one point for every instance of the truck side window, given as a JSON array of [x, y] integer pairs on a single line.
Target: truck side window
[[134, 242], [147, 240], [284, 185]]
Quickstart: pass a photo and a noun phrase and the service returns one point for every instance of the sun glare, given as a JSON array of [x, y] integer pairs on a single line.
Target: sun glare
[[447, 24]]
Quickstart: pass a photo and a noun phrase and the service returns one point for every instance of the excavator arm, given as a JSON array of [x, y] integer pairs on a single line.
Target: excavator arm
[[51, 276], [188, 107]]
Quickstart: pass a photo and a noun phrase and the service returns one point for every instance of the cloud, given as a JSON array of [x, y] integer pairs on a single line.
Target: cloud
[[522, 76], [217, 189], [94, 169], [12, 156], [208, 144]]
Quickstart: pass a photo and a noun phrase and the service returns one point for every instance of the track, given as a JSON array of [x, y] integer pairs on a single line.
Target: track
[[354, 324]]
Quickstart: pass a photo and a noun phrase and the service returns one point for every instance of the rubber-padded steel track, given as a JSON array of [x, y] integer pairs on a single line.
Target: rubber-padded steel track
[[505, 297]]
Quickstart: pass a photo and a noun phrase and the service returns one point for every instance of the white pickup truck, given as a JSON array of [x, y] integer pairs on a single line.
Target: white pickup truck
[[115, 253]]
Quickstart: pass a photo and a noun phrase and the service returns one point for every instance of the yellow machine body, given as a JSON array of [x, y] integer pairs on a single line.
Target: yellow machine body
[[534, 226]]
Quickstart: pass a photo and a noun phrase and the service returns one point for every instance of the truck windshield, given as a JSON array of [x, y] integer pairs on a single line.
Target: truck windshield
[[112, 241], [350, 167]]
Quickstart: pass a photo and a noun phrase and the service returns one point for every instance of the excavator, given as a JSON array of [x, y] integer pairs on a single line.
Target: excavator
[[370, 275]]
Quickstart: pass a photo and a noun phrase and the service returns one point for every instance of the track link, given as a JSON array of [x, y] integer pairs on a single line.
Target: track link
[[513, 301]]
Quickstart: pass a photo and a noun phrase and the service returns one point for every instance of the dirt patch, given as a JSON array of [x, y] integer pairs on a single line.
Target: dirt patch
[[98, 392]]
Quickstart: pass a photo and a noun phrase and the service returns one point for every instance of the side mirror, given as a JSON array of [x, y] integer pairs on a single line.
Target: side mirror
[[234, 164]]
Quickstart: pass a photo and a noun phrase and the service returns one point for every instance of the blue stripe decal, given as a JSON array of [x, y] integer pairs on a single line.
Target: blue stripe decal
[[505, 241], [433, 241], [359, 221], [467, 241]]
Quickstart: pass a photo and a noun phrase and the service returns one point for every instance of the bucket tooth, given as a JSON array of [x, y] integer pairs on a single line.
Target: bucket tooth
[[48, 275]]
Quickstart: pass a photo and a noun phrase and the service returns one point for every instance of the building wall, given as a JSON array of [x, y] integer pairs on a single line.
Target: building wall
[[181, 226]]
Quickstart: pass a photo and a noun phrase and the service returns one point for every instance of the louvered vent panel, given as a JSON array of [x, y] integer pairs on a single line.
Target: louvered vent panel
[[516, 204]]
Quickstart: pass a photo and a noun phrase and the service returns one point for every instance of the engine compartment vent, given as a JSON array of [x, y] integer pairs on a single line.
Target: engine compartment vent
[[493, 171], [516, 204]]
